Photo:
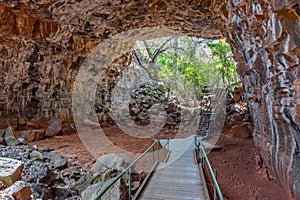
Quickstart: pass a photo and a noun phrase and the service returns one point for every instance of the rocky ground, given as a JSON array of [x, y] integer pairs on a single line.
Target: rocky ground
[[57, 168], [60, 167], [29, 173]]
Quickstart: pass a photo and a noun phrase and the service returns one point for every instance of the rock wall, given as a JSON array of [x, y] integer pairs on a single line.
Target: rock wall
[[265, 39], [44, 43]]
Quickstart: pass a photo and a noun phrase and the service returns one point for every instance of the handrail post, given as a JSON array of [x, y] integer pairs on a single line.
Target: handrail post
[[202, 158], [158, 152], [215, 188], [153, 155], [129, 183]]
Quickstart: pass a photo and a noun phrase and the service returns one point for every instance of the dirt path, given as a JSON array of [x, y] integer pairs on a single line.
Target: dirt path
[[238, 175], [71, 146]]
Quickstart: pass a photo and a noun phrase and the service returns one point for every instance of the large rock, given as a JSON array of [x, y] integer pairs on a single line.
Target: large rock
[[6, 197], [2, 141], [241, 131], [85, 181], [91, 191], [12, 141], [9, 132], [32, 125], [41, 191], [106, 167], [117, 191], [111, 161], [20, 190], [54, 127], [10, 170], [60, 164], [38, 172], [33, 135]]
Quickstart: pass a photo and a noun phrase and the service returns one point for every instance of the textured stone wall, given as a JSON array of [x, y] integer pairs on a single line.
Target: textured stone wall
[[43, 44], [265, 39]]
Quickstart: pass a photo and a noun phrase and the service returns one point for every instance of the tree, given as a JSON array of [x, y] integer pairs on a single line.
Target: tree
[[223, 58], [194, 61]]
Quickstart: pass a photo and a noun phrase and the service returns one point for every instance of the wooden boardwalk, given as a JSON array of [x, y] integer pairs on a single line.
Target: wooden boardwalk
[[179, 178]]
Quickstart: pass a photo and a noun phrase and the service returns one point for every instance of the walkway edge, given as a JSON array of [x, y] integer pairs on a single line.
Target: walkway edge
[[138, 192]]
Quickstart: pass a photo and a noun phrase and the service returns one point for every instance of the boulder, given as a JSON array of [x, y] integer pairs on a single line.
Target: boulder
[[72, 173], [63, 192], [10, 170], [43, 124], [2, 141], [20, 190], [32, 125], [91, 191], [12, 141], [35, 154], [39, 135], [28, 135], [105, 168], [38, 172], [60, 164], [84, 181], [54, 127], [241, 131], [111, 161], [11, 154], [6, 197], [33, 135], [9, 132], [41, 191], [117, 191]]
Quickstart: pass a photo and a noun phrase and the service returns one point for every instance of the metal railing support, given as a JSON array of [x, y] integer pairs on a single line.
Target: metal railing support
[[129, 183], [157, 152], [128, 169], [215, 193], [212, 173], [153, 155]]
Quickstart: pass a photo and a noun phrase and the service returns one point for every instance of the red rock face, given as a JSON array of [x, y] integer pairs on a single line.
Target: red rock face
[[26, 21], [264, 36], [43, 45]]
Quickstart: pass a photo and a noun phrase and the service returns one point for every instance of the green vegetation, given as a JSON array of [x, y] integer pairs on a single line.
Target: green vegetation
[[187, 63]]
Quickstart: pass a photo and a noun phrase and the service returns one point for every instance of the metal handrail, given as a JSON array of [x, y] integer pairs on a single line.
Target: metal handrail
[[167, 148], [128, 169], [211, 171]]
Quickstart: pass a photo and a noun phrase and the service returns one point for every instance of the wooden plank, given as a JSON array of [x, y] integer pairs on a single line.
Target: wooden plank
[[137, 194]]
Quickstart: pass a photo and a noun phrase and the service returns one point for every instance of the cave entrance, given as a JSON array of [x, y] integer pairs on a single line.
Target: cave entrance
[[169, 82]]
